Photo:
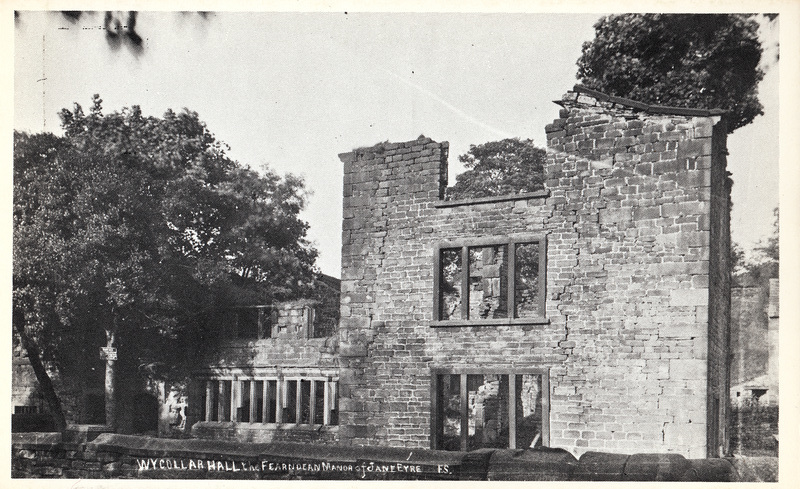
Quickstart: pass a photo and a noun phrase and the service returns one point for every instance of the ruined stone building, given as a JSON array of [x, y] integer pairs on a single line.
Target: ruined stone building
[[591, 315], [597, 309], [273, 379]]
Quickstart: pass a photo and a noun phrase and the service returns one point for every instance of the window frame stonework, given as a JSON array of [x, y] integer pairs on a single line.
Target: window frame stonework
[[230, 403], [511, 373], [465, 245]]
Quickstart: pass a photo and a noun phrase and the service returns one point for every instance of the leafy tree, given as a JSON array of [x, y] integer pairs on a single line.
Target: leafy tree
[[131, 227], [764, 263], [502, 167], [770, 250], [700, 61]]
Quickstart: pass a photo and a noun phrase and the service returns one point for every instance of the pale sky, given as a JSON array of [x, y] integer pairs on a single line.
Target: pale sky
[[293, 90]]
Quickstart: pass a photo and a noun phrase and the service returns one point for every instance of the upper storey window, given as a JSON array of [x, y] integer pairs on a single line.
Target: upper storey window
[[490, 281]]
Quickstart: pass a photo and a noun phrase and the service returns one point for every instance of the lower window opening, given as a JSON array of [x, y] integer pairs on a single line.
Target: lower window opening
[[490, 410]]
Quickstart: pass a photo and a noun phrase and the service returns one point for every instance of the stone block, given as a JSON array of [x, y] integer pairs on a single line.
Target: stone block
[[665, 166], [678, 330], [710, 470], [687, 369], [658, 467], [641, 213], [598, 466], [696, 239], [693, 148], [546, 464], [688, 297], [616, 215], [694, 178], [683, 434], [352, 350]]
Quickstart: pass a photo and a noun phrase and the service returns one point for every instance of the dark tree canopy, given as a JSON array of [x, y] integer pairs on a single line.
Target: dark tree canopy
[[135, 226], [508, 166], [701, 61]]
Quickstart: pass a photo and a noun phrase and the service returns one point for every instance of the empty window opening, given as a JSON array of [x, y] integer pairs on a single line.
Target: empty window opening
[[490, 281], [490, 410]]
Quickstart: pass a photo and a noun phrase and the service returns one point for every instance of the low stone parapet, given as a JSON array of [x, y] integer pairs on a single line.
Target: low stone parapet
[[50, 455]]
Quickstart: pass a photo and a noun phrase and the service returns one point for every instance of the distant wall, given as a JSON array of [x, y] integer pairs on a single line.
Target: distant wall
[[749, 325]]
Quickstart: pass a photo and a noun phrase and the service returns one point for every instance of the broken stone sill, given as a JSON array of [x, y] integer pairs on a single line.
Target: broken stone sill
[[495, 198], [458, 323]]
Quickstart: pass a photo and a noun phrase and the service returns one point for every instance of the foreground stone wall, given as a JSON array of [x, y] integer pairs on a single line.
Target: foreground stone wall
[[39, 455], [633, 340]]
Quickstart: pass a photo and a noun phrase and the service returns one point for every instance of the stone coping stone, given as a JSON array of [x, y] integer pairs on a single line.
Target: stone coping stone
[[35, 439], [656, 467], [82, 433], [297, 460], [711, 470], [540, 464], [600, 466], [653, 109]]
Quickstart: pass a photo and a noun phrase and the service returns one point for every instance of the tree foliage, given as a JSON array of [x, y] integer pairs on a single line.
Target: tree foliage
[[133, 226], [700, 61], [508, 166], [763, 264]]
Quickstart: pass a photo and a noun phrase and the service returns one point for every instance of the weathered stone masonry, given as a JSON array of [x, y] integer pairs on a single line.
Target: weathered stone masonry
[[635, 216], [249, 376]]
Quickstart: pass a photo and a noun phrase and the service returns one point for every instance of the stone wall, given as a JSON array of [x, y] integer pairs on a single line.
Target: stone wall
[[25, 392], [754, 428], [108, 456], [773, 311], [748, 335], [753, 421], [754, 341], [627, 217]]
